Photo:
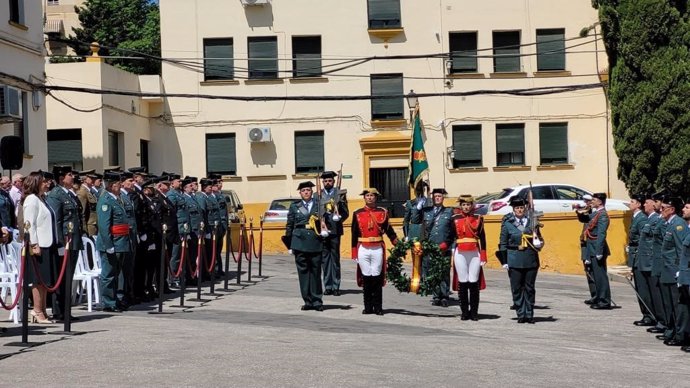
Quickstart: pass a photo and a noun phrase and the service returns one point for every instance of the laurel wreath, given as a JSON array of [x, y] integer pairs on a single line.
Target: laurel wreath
[[439, 267]]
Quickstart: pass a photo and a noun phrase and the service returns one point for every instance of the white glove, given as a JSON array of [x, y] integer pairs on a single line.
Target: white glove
[[152, 247], [324, 233], [483, 263], [138, 239], [143, 237], [289, 251], [537, 243], [627, 249], [407, 238], [207, 236], [420, 204], [677, 274], [335, 217], [599, 257], [505, 266], [588, 262], [61, 251], [189, 237], [110, 250]]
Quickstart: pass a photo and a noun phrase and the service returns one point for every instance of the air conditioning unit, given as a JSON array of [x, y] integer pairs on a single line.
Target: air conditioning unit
[[259, 135], [254, 2], [10, 104]]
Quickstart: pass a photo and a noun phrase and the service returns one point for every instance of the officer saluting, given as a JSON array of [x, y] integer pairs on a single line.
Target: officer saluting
[[334, 211], [113, 240], [88, 200], [598, 251], [302, 236]]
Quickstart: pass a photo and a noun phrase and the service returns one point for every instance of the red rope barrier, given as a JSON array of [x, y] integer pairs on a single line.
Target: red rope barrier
[[65, 257], [183, 250], [197, 273], [20, 283], [261, 241], [229, 237], [213, 255]]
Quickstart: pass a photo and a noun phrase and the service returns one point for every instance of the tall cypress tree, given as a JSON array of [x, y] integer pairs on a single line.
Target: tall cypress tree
[[123, 24], [649, 64]]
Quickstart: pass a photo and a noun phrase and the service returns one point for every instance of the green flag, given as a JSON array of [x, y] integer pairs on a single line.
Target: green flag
[[418, 162]]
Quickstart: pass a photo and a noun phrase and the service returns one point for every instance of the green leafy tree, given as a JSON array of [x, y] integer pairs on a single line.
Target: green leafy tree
[[649, 91], [122, 28]]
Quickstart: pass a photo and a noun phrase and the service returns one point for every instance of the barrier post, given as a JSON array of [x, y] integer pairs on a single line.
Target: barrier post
[[200, 263], [184, 255], [261, 243], [69, 272], [251, 248], [214, 255], [240, 253], [162, 271], [228, 247]]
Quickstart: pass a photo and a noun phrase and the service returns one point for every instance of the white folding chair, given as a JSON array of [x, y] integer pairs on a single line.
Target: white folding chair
[[10, 264], [86, 281]]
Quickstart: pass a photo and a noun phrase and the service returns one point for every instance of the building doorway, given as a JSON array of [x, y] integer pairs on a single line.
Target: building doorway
[[392, 184]]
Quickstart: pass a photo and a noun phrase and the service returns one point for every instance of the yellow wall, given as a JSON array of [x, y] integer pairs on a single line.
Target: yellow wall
[[561, 231]]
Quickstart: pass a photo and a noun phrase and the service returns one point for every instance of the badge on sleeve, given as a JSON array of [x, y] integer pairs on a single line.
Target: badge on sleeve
[[679, 228], [104, 208]]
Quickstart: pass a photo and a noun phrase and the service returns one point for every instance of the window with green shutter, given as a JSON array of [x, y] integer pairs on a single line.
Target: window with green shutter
[[218, 59], [506, 51], [384, 14], [263, 57], [221, 154], [387, 108], [64, 148], [551, 49], [308, 152], [467, 145], [510, 144], [463, 52], [306, 56], [17, 11], [553, 143]]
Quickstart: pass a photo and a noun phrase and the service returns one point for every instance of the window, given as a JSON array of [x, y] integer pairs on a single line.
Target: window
[[506, 51], [21, 126], [538, 192], [263, 57], [551, 49], [221, 154], [144, 153], [218, 59], [387, 108], [53, 2], [64, 148], [114, 148], [384, 14], [553, 143], [569, 193], [306, 56], [463, 52], [308, 152], [467, 145], [510, 144], [17, 11]]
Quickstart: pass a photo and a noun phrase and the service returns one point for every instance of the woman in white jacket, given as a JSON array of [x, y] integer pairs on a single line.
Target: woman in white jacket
[[43, 239]]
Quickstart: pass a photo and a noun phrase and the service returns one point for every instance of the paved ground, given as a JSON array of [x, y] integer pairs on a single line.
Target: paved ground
[[256, 336]]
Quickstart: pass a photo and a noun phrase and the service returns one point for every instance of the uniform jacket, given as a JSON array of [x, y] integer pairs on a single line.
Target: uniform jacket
[[436, 227], [223, 210], [300, 237], [168, 215], [645, 250], [112, 211], [469, 232], [412, 230], [638, 222], [7, 213], [658, 231], [66, 210], [595, 234], [684, 276], [142, 213], [182, 213], [195, 213], [41, 223], [672, 248], [88, 205], [511, 240], [370, 223], [340, 200]]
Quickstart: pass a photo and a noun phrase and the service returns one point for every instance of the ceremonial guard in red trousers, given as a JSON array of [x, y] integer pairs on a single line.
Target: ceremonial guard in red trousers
[[469, 256], [369, 224]]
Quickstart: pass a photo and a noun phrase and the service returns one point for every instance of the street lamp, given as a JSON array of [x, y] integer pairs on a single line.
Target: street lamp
[[412, 101]]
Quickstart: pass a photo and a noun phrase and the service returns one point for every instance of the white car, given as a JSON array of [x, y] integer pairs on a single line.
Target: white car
[[549, 198]]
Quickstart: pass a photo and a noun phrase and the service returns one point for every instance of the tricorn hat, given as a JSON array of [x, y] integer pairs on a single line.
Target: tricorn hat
[[439, 191], [60, 171], [205, 182], [305, 184], [676, 202], [111, 176], [600, 196], [370, 190], [640, 197], [126, 175], [192, 178], [47, 175], [517, 201], [138, 171], [328, 174]]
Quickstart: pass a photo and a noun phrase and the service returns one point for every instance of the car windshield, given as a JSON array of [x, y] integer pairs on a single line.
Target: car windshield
[[506, 192], [488, 197], [281, 204]]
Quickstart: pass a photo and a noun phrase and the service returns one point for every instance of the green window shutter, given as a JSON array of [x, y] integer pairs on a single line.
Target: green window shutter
[[309, 152], [387, 108], [463, 51], [510, 144], [263, 57], [553, 143], [551, 49], [384, 13], [220, 154], [506, 51], [467, 145], [64, 147], [218, 59], [306, 56]]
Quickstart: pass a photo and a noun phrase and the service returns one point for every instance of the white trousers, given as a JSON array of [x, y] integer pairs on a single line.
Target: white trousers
[[467, 265], [370, 260]]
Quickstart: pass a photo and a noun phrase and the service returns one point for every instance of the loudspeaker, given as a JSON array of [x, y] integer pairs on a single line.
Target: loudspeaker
[[11, 152]]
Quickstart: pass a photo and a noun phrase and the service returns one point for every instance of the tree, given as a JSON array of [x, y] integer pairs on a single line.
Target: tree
[[649, 91], [122, 28]]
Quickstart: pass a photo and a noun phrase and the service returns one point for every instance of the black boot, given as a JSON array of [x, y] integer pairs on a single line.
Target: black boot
[[474, 300], [377, 294], [464, 304], [366, 287]]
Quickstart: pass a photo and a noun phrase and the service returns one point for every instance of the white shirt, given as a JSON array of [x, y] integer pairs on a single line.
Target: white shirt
[[16, 195], [307, 205]]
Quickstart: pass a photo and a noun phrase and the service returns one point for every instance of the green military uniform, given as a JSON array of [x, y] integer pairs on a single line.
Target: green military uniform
[[597, 254], [672, 250], [306, 245], [658, 232], [412, 230], [66, 207], [639, 219], [584, 217], [644, 261], [183, 224], [222, 228], [522, 259], [195, 219], [330, 255], [128, 262], [683, 316], [437, 227], [114, 247]]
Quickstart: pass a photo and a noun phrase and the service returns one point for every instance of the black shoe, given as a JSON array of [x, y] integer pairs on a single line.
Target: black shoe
[[444, 302], [662, 337], [685, 348], [521, 320], [600, 306], [336, 292], [435, 302], [328, 292], [367, 312], [168, 291], [219, 274], [675, 342], [644, 322], [513, 307], [318, 308], [464, 317], [379, 312], [122, 306], [474, 317], [60, 318], [656, 330], [305, 307], [529, 320], [590, 301], [111, 310]]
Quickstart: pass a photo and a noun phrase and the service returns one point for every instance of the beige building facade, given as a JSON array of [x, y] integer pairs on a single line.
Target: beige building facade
[[61, 18], [22, 110], [475, 143]]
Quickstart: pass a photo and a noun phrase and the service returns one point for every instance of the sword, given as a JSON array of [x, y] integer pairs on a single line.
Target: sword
[[651, 314]]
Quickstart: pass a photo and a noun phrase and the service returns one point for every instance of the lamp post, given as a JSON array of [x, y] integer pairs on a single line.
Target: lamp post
[[412, 102]]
